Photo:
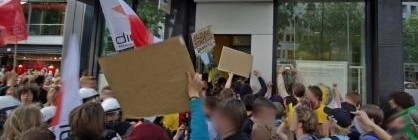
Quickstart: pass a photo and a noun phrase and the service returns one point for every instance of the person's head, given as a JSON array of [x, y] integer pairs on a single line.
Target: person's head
[[52, 95], [248, 101], [37, 133], [87, 121], [339, 120], [88, 82], [148, 131], [280, 110], [353, 98], [298, 90], [209, 105], [375, 114], [394, 122], [264, 110], [89, 95], [20, 120], [39, 80], [290, 100], [112, 110], [314, 94], [229, 116], [107, 92], [227, 94], [263, 131], [303, 120], [27, 94], [400, 100]]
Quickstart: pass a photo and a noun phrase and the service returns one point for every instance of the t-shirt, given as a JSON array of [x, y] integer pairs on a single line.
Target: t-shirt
[[337, 137], [238, 136], [369, 136], [320, 114], [248, 126]]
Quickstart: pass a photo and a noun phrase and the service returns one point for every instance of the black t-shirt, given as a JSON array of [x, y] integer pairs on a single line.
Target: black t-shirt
[[238, 136], [248, 126]]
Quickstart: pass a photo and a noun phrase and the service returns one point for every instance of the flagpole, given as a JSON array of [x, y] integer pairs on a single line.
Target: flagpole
[[14, 56]]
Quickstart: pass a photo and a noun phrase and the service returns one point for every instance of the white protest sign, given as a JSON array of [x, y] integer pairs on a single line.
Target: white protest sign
[[203, 40]]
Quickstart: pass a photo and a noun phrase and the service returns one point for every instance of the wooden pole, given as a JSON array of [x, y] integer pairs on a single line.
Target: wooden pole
[[14, 56]]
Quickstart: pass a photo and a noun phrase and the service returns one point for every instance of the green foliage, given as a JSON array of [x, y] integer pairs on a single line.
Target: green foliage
[[152, 17], [324, 31], [410, 38]]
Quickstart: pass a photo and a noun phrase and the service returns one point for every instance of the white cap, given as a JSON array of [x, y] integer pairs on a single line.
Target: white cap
[[8, 103], [87, 93], [48, 113], [110, 104]]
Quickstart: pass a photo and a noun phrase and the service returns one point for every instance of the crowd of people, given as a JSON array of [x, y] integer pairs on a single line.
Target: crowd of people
[[221, 109]]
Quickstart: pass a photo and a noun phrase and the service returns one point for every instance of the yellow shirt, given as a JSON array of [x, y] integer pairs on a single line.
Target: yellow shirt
[[320, 114], [171, 121]]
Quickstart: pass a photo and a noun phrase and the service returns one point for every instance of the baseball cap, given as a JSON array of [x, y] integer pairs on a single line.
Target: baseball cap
[[86, 93], [148, 131], [110, 104], [341, 116]]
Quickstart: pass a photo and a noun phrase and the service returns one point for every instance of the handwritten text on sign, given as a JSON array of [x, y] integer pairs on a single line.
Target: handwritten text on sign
[[203, 40]]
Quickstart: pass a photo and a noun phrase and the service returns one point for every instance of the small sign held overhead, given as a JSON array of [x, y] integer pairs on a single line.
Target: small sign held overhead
[[203, 40], [237, 62]]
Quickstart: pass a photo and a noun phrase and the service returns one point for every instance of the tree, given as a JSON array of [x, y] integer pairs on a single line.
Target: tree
[[410, 34]]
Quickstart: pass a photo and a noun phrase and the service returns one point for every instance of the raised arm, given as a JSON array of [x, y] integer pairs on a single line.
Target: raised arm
[[262, 92], [228, 83], [199, 128], [280, 83]]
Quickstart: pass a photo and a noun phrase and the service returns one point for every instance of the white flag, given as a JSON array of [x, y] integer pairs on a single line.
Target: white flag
[[68, 97]]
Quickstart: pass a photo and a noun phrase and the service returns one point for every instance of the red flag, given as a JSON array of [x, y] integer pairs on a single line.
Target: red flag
[[13, 21]]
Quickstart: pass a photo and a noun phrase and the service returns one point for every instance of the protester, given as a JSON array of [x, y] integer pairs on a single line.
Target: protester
[[351, 102], [302, 125], [113, 118], [229, 118], [87, 122], [263, 131], [107, 92], [28, 94], [7, 105], [21, 120], [52, 96], [37, 133], [198, 121], [248, 101], [89, 94], [39, 81], [263, 111], [148, 131], [404, 102], [209, 108], [298, 91], [339, 123], [88, 82], [314, 95]]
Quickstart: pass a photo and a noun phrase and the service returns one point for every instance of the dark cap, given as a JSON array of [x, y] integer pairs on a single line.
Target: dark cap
[[342, 116], [349, 107]]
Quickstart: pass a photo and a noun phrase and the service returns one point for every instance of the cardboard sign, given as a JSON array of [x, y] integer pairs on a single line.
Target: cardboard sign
[[237, 62], [203, 40], [150, 81]]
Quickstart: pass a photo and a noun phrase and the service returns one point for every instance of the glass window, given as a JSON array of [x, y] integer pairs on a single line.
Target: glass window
[[410, 34], [325, 41], [45, 18], [413, 9]]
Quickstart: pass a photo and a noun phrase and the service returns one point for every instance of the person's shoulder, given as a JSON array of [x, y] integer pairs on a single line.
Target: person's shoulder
[[369, 137], [238, 136]]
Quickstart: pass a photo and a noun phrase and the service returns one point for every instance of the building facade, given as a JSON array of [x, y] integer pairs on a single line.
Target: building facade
[[367, 46], [43, 48]]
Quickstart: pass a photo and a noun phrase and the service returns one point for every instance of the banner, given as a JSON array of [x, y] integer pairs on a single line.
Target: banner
[[12, 22], [125, 27], [151, 81], [203, 40], [239, 63], [68, 97]]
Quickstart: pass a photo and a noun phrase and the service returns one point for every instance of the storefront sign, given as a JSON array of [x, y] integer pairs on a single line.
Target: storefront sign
[[239, 63], [150, 81], [203, 40], [324, 72]]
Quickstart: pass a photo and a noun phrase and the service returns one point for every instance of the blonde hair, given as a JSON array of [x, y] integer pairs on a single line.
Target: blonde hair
[[21, 120], [263, 131]]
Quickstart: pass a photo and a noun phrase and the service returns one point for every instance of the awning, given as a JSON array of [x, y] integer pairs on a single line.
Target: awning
[[32, 49]]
